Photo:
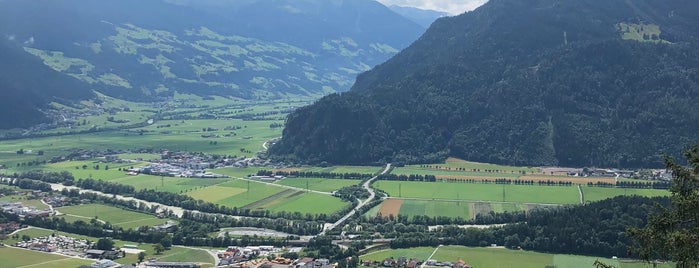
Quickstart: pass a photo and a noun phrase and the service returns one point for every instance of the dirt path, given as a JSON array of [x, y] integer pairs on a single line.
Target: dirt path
[[582, 197], [430, 257]]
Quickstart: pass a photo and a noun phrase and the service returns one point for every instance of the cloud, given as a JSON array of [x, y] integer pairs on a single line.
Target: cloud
[[453, 7], [29, 41]]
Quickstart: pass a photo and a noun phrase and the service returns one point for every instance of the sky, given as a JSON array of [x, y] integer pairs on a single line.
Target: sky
[[453, 7]]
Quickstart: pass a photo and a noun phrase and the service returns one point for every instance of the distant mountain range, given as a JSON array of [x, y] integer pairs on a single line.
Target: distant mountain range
[[147, 50], [546, 82], [420, 16]]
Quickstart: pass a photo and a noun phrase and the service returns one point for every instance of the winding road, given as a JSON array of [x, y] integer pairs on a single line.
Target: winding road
[[372, 195]]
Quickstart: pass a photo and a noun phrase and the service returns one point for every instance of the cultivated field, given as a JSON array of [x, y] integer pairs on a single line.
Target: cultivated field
[[347, 169], [262, 196], [390, 207], [21, 258], [498, 257], [318, 184], [452, 209], [519, 194], [116, 216], [481, 192], [592, 194], [456, 169]]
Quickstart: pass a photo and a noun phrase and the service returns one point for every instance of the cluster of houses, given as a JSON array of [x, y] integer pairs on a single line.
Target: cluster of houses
[[21, 210], [8, 228], [57, 243], [404, 262], [168, 170], [234, 255], [283, 263]]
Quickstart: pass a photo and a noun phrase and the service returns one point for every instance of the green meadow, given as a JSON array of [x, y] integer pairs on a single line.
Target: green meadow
[[21, 258], [259, 196], [317, 184], [592, 194], [347, 169], [116, 216], [412, 208], [502, 258], [481, 192]]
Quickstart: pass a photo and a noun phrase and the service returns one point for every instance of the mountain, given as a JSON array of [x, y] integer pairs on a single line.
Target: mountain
[[423, 17], [146, 50], [27, 85], [545, 82]]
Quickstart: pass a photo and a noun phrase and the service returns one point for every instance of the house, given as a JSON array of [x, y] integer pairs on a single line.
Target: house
[[94, 253], [165, 227], [305, 263], [388, 262], [461, 264], [105, 264]]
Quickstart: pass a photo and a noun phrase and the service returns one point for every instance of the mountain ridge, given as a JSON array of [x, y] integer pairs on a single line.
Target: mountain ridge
[[543, 83], [258, 49]]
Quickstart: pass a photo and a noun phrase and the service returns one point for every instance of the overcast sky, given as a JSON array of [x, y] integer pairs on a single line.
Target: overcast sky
[[453, 7]]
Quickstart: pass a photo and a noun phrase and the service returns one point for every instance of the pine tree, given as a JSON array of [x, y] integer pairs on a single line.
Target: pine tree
[[673, 233]]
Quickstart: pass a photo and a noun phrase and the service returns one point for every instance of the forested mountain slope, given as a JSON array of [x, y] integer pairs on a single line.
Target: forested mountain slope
[[147, 50], [546, 82], [26, 83]]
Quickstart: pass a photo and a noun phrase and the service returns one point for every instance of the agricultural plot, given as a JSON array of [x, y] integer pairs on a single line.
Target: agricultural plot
[[317, 184], [311, 203], [481, 192], [496, 257], [499, 257], [592, 194], [347, 169], [12, 257], [167, 184], [238, 172], [445, 173], [419, 252], [452, 209], [116, 216], [267, 197], [92, 169]]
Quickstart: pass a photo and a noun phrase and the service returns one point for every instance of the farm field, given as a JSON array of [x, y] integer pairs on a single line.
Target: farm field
[[412, 208], [267, 197], [592, 194], [452, 209], [312, 203], [13, 257], [116, 216], [418, 252], [347, 169], [318, 184], [504, 258], [481, 192], [237, 172], [167, 184], [86, 169]]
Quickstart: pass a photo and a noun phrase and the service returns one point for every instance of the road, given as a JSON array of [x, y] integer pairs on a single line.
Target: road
[[372, 195]]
